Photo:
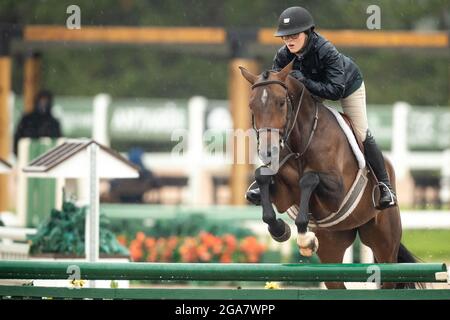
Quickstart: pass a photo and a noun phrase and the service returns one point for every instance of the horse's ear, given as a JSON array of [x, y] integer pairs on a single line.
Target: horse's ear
[[248, 75], [283, 73]]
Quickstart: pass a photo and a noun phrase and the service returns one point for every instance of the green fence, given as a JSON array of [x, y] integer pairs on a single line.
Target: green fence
[[41, 192], [408, 272]]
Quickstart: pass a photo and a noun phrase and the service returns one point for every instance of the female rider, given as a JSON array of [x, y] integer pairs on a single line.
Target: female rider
[[328, 74]]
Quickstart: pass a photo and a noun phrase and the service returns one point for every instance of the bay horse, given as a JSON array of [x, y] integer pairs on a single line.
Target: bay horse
[[319, 169]]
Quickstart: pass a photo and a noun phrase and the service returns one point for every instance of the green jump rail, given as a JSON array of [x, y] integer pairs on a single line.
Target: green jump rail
[[414, 272], [404, 272]]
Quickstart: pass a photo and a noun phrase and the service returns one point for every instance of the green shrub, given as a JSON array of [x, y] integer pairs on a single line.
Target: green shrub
[[63, 232]]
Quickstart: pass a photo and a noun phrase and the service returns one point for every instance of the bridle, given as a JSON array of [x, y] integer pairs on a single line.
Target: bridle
[[288, 127]]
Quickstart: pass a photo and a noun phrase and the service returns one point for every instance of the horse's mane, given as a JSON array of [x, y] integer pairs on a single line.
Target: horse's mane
[[265, 74]]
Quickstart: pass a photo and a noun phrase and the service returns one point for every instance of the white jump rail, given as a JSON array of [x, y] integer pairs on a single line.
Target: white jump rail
[[16, 234], [11, 250]]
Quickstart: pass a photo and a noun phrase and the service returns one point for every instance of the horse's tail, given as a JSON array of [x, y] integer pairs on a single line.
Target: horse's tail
[[405, 256]]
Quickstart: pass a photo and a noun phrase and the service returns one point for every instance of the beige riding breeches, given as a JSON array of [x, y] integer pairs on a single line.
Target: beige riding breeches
[[355, 107]]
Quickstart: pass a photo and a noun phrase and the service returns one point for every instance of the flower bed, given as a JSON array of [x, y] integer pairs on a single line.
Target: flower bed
[[205, 247]]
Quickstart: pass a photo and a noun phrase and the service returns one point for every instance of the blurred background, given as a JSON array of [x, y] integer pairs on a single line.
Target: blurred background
[[137, 71]]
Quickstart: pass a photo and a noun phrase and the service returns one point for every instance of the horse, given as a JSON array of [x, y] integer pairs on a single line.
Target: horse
[[316, 172]]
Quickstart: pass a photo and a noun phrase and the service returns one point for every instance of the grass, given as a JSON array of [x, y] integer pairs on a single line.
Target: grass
[[428, 245], [444, 208]]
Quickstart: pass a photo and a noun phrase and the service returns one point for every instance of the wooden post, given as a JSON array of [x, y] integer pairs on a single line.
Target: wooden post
[[5, 136], [31, 80], [239, 93]]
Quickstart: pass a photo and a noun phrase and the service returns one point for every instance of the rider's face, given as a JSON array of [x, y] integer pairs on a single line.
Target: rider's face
[[43, 105], [295, 42]]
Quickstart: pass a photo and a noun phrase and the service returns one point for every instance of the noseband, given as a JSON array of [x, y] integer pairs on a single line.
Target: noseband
[[287, 127]]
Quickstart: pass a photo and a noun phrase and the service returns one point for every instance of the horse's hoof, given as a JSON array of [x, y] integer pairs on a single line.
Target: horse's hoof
[[285, 236], [307, 243]]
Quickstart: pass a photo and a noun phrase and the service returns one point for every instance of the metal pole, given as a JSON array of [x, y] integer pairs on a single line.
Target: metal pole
[[92, 232]]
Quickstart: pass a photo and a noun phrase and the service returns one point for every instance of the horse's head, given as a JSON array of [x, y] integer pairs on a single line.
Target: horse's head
[[270, 104], [269, 98]]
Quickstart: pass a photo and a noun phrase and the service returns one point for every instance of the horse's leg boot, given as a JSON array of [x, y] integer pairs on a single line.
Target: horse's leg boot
[[375, 158]]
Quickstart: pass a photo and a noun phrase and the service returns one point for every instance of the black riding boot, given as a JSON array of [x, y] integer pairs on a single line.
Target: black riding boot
[[376, 161]]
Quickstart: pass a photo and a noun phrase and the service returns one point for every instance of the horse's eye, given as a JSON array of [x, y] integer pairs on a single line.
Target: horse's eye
[[281, 103]]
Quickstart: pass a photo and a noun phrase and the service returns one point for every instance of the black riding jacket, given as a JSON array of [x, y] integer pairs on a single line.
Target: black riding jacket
[[328, 73]]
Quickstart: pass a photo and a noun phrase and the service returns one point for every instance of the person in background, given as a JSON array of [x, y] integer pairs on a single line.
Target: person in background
[[40, 122]]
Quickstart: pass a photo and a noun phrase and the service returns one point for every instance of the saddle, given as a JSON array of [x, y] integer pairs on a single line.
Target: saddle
[[347, 120]]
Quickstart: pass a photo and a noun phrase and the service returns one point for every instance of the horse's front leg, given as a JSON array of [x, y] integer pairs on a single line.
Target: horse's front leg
[[278, 229], [306, 241]]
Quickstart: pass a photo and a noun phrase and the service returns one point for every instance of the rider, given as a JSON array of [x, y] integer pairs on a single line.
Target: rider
[[328, 74]]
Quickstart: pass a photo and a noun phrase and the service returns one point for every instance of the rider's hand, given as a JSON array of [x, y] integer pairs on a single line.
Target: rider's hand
[[297, 74]]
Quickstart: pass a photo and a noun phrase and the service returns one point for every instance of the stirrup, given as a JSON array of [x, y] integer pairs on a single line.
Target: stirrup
[[249, 189], [391, 194]]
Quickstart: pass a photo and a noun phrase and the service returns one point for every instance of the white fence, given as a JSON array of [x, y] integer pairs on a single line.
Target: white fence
[[13, 245], [198, 164]]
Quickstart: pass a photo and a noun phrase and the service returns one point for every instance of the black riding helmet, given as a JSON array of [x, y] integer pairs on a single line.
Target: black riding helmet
[[294, 20]]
